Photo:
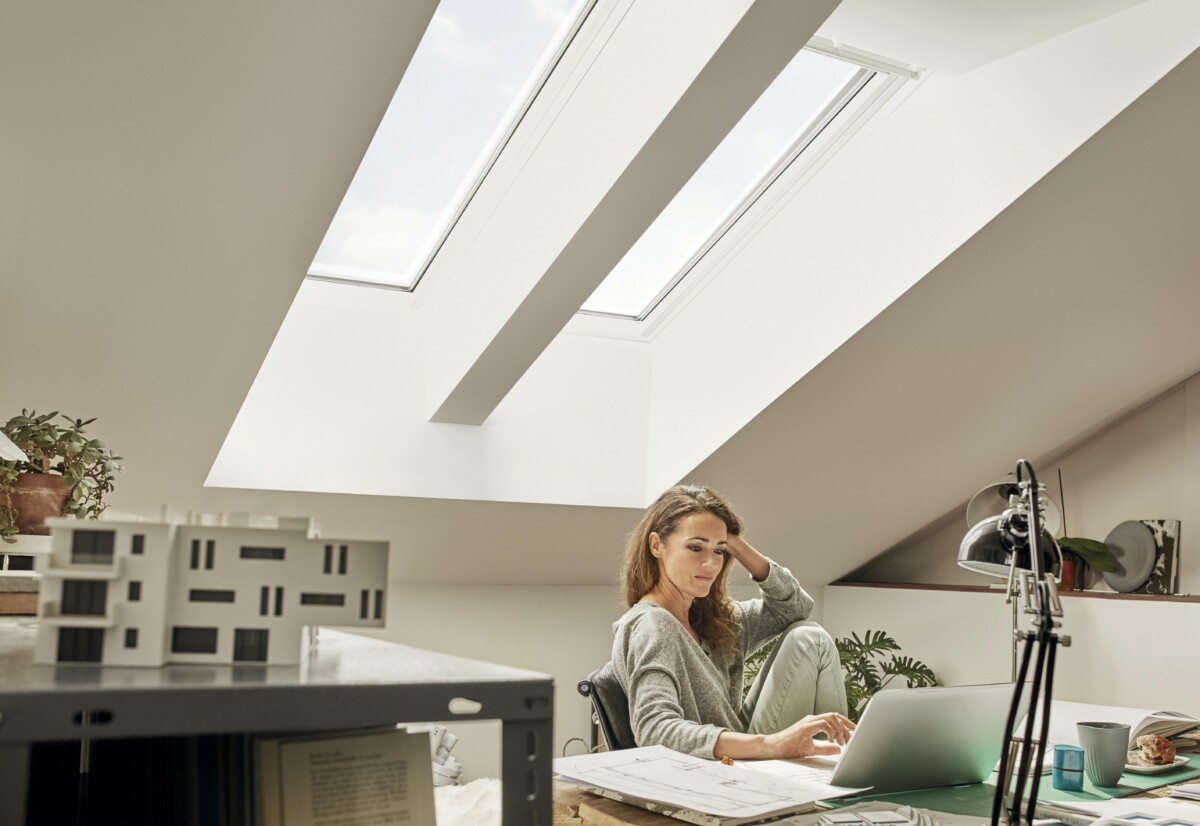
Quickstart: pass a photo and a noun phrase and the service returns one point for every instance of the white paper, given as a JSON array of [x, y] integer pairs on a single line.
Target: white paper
[[357, 779], [656, 773]]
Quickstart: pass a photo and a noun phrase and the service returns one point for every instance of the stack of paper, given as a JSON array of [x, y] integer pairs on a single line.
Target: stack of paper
[[1124, 811], [705, 792], [1188, 792]]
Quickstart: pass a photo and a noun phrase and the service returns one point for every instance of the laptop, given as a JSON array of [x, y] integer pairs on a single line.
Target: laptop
[[922, 738]]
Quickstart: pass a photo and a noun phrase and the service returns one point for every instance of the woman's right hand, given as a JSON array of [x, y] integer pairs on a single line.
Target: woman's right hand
[[797, 739]]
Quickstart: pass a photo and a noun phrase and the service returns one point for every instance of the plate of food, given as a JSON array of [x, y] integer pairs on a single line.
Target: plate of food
[[1154, 753], [1155, 768]]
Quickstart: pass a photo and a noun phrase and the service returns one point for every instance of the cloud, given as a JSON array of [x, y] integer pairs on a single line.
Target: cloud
[[384, 238], [445, 39], [553, 11]]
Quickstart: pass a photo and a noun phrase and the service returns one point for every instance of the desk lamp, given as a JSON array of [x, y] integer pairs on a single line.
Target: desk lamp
[[1015, 544]]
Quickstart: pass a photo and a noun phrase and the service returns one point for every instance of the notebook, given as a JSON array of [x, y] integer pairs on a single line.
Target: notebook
[[922, 738]]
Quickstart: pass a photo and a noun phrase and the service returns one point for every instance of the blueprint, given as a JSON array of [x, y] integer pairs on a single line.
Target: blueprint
[[697, 790]]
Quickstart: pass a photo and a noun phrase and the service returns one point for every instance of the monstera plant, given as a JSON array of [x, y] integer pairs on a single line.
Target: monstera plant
[[64, 473], [871, 663]]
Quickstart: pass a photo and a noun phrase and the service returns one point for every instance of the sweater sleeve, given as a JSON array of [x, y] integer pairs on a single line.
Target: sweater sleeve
[[783, 602], [648, 652]]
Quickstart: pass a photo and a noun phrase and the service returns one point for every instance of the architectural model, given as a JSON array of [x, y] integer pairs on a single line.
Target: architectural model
[[204, 591]]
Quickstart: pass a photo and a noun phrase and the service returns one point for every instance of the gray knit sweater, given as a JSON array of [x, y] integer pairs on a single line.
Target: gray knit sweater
[[683, 695]]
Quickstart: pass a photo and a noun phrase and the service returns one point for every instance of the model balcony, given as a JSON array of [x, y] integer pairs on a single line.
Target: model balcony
[[53, 615]]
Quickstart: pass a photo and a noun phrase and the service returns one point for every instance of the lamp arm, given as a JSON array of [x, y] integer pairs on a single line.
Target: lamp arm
[[1010, 724], [1051, 643]]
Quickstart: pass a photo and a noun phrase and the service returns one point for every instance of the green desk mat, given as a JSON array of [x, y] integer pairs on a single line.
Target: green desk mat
[[975, 799]]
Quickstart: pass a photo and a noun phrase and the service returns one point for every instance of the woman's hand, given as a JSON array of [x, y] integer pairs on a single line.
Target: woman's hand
[[754, 562], [797, 739]]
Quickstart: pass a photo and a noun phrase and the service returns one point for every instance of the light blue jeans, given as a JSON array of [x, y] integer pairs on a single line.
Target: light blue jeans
[[802, 676]]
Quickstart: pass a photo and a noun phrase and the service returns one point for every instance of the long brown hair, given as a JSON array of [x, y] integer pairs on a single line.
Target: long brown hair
[[711, 616]]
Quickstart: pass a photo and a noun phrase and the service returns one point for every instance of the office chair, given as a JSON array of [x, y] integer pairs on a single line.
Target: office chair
[[610, 707]]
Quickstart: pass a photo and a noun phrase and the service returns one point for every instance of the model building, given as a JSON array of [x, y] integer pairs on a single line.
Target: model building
[[208, 591]]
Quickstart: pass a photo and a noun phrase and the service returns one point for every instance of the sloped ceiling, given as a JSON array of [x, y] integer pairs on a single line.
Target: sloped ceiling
[[163, 187]]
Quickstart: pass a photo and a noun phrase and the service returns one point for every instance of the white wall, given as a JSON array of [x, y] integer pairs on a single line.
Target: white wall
[[563, 631], [1119, 652], [1146, 466]]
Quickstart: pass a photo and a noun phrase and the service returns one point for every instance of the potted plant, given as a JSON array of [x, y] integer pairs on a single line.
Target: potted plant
[[65, 473], [871, 663], [1077, 552]]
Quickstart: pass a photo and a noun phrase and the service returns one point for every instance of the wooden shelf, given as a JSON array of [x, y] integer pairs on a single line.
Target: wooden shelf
[[918, 586]]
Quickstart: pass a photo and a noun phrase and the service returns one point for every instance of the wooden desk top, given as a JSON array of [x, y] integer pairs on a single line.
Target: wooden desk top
[[575, 807]]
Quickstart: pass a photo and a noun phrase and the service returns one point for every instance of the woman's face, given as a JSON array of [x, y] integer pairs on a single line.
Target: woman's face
[[691, 557]]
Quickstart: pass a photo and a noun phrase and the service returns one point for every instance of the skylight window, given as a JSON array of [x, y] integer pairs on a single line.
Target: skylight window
[[469, 82], [805, 96]]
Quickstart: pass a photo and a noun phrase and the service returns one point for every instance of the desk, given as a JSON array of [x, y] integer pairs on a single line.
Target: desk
[[976, 799], [575, 807], [347, 681]]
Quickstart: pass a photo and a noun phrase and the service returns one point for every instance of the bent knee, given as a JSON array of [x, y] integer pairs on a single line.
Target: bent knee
[[809, 636]]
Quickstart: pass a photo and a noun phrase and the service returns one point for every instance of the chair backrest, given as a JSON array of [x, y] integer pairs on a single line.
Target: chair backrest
[[610, 707]]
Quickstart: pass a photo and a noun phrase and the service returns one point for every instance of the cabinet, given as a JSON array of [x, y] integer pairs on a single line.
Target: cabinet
[[345, 681]]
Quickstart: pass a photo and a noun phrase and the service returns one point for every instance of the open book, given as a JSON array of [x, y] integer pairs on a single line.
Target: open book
[[705, 792], [1064, 715], [345, 778]]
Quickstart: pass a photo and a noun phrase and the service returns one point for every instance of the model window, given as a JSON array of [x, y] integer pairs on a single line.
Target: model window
[[139, 544], [322, 599], [261, 553], [210, 547], [92, 547], [19, 562], [364, 601], [195, 554], [264, 601], [187, 640], [80, 645], [279, 602], [208, 595], [379, 605], [329, 559], [84, 597], [131, 638], [135, 590], [342, 551], [250, 645]]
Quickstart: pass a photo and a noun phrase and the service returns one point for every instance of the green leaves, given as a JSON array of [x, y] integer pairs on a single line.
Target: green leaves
[[755, 661], [1096, 555], [86, 464], [870, 665]]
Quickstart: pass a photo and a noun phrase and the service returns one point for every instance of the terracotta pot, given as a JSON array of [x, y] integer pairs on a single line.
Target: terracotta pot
[[1070, 574], [37, 496]]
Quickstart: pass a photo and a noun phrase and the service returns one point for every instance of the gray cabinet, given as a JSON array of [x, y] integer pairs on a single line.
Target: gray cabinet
[[345, 681]]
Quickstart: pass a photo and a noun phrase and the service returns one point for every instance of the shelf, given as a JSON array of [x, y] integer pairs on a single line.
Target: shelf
[[987, 589], [345, 681]]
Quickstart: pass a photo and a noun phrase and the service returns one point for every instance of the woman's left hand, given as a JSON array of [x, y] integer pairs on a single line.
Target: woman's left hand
[[754, 562]]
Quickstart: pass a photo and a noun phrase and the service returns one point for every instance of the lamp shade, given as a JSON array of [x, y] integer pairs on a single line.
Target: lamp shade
[[988, 549]]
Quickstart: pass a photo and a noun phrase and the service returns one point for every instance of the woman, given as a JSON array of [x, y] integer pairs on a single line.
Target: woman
[[680, 649]]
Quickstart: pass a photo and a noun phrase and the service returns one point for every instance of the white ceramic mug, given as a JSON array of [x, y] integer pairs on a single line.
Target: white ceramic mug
[[1105, 746]]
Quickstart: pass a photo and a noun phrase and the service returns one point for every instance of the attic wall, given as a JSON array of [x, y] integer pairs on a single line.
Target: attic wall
[[965, 638], [1145, 466]]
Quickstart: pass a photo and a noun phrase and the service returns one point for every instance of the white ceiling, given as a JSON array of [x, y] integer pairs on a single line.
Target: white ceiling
[[163, 188]]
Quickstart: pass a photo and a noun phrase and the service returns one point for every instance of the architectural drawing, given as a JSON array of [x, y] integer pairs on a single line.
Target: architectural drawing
[[208, 591]]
